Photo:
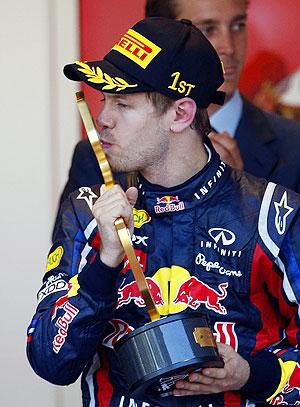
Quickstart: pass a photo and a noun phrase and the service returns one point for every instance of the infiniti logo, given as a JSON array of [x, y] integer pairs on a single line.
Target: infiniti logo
[[226, 236]]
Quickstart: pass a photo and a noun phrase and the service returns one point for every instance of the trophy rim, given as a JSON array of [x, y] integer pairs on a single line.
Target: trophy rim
[[164, 320]]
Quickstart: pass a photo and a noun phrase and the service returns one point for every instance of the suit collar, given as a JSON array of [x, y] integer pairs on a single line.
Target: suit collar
[[256, 141], [228, 116]]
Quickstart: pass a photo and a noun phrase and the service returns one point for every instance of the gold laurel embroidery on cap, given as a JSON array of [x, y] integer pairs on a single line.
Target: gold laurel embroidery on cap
[[98, 76]]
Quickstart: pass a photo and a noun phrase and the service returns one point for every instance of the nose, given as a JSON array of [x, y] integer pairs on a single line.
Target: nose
[[104, 119], [225, 44]]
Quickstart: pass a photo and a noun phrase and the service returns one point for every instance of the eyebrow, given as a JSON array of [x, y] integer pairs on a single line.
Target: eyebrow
[[214, 20], [115, 96]]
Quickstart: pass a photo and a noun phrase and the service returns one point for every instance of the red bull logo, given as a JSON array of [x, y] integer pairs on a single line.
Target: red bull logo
[[171, 204], [59, 304], [130, 292], [294, 381], [63, 323], [167, 199], [194, 292], [73, 287], [173, 290], [279, 401]]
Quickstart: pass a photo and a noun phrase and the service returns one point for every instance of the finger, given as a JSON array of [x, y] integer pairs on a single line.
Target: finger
[[200, 378], [112, 203], [228, 149], [214, 373], [185, 388], [223, 139], [132, 194], [222, 151], [208, 375], [102, 189]]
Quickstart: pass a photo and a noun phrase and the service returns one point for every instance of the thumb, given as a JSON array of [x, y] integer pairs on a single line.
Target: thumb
[[132, 194]]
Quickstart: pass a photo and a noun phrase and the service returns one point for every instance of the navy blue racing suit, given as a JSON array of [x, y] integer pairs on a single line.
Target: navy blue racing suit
[[224, 243]]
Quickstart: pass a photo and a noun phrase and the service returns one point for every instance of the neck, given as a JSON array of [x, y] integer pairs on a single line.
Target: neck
[[185, 159]]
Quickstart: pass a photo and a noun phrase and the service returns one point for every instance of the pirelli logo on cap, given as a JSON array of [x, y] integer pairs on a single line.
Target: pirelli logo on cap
[[137, 48]]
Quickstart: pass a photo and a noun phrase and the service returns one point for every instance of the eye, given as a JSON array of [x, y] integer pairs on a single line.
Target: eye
[[239, 26], [122, 105], [207, 30]]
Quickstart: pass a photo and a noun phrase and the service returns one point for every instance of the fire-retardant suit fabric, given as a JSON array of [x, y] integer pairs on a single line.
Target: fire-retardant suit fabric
[[223, 243]]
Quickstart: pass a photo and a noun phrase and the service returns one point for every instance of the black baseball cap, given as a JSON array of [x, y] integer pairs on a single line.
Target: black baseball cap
[[157, 54]]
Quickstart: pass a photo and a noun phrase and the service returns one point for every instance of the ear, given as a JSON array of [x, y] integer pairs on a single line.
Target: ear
[[185, 110]]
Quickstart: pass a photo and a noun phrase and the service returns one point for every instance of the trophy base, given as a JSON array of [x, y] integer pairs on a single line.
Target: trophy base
[[155, 356]]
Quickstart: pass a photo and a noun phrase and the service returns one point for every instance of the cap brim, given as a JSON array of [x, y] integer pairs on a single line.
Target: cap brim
[[104, 76]]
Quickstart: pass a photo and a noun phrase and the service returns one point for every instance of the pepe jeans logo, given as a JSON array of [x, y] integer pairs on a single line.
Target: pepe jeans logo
[[137, 48], [215, 265]]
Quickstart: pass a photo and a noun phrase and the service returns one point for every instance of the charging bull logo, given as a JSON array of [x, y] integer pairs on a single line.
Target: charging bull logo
[[173, 290], [168, 203], [193, 292], [73, 287], [294, 381], [130, 292]]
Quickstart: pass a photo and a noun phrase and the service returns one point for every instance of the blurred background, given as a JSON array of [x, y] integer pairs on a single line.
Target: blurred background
[[40, 127]]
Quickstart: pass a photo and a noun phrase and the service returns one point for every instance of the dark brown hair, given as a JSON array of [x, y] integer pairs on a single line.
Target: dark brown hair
[[164, 8], [160, 8], [200, 123]]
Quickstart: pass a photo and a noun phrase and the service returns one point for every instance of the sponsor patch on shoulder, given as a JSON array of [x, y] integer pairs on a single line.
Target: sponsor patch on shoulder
[[54, 258]]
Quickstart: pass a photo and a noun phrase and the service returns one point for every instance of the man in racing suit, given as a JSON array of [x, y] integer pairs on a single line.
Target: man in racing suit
[[208, 238]]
